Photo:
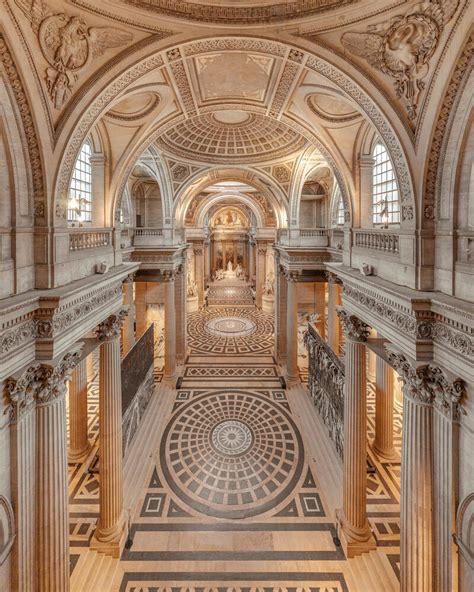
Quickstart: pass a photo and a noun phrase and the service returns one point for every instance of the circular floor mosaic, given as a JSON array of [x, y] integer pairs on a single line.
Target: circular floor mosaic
[[230, 330], [232, 454], [230, 326]]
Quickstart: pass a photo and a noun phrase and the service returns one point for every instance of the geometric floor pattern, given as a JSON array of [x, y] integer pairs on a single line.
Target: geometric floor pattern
[[232, 502]]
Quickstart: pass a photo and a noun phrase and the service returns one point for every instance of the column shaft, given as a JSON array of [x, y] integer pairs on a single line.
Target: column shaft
[[260, 275], [333, 319], [356, 534], [416, 553], [199, 273], [52, 525], [23, 487], [140, 308], [129, 324], [180, 307], [320, 289], [383, 442], [170, 328], [281, 294], [79, 445], [110, 525], [292, 330]]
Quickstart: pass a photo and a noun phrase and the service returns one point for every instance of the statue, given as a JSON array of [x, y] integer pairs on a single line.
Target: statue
[[229, 266]]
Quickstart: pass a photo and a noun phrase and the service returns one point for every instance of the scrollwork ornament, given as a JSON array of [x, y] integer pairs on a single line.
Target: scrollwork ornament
[[110, 328], [447, 395], [20, 393], [354, 328], [51, 380]]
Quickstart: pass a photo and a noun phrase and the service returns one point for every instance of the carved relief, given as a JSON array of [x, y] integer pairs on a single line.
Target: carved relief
[[110, 328], [354, 328], [403, 48], [68, 45]]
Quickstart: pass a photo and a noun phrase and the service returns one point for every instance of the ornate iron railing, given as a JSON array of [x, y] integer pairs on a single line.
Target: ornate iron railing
[[326, 385]]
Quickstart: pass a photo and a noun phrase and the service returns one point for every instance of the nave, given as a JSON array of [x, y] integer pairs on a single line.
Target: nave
[[232, 481]]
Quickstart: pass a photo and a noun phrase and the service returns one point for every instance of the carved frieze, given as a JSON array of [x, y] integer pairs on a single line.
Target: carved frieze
[[68, 44], [402, 48]]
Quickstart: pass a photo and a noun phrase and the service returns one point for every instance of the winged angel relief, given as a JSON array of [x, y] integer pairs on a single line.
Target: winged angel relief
[[403, 47], [68, 45]]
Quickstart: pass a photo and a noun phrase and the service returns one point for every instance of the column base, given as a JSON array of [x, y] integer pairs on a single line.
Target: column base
[[354, 541], [110, 541], [78, 456], [388, 455]]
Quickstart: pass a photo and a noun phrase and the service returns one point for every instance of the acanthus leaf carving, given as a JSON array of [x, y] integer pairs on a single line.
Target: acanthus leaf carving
[[402, 48], [68, 45]]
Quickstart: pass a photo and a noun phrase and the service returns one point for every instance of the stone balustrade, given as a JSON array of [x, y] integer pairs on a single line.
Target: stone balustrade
[[378, 241], [89, 239]]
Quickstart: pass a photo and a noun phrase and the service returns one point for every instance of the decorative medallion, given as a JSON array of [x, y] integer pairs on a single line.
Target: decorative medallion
[[232, 454], [230, 327]]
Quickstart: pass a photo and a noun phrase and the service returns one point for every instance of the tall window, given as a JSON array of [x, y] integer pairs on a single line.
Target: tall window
[[80, 191], [385, 200]]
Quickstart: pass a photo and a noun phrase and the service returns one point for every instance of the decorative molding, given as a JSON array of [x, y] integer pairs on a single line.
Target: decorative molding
[[50, 380], [354, 328], [239, 15], [402, 321], [428, 384], [68, 45], [15, 337], [442, 128], [20, 394], [27, 119], [402, 48], [110, 329]]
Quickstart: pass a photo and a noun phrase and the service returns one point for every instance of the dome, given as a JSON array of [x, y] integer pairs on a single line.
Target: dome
[[224, 136]]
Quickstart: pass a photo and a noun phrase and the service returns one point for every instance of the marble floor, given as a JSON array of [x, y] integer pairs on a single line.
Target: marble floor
[[236, 495]]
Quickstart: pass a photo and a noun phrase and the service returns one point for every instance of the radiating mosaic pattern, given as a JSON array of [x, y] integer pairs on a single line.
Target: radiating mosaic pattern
[[232, 454], [230, 327], [257, 341]]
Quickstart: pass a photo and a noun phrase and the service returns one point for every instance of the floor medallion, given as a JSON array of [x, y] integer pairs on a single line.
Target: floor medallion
[[232, 454]]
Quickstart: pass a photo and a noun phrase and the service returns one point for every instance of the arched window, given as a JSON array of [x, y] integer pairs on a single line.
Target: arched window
[[80, 191], [385, 199]]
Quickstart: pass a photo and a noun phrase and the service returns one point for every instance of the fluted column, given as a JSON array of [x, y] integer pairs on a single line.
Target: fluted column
[[250, 261], [199, 272], [52, 518], [292, 326], [356, 535], [428, 496], [261, 256], [180, 308], [140, 308], [23, 481], [207, 261], [383, 441], [79, 445], [110, 525], [320, 289], [90, 367], [334, 300], [281, 292], [170, 325], [129, 323], [371, 361]]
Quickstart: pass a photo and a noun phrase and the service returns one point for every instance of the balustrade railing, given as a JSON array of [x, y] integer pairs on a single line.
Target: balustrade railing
[[378, 241], [310, 232], [326, 385], [89, 239], [148, 232]]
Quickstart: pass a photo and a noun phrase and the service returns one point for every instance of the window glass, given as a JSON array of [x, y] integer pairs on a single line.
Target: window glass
[[80, 191], [385, 199]]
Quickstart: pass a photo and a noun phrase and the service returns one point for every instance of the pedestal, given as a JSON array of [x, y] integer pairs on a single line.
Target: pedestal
[[268, 303], [192, 303]]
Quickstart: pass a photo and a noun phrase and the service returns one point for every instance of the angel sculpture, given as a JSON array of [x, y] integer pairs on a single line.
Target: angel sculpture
[[68, 45]]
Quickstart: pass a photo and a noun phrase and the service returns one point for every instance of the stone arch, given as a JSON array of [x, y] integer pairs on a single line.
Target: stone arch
[[257, 178], [345, 83], [239, 199]]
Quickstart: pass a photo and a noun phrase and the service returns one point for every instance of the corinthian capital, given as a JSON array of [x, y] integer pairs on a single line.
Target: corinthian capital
[[447, 394], [110, 328], [51, 379], [354, 328], [415, 386], [20, 393], [168, 275]]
